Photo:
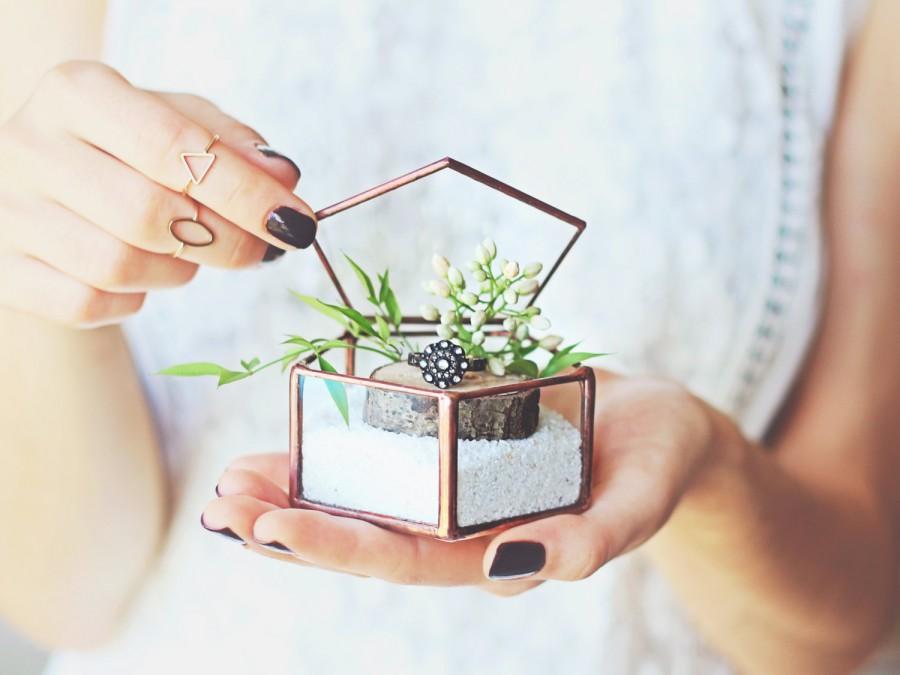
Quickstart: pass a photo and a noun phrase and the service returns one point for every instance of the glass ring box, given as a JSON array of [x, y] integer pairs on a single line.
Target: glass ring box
[[451, 463]]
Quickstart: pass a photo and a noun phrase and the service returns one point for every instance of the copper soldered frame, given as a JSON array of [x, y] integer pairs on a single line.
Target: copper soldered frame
[[465, 170], [448, 400]]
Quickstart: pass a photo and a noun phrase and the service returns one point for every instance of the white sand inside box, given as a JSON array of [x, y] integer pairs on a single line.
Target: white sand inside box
[[365, 468]]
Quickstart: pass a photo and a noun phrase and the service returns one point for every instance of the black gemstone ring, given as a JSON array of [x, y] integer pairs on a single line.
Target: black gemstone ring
[[444, 363]]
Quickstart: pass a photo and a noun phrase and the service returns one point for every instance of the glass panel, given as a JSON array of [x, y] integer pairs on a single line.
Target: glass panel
[[375, 462], [445, 213], [500, 479]]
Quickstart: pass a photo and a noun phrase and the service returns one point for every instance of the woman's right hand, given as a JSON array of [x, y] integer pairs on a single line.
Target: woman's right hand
[[90, 177]]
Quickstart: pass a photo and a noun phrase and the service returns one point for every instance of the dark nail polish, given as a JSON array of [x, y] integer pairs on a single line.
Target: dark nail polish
[[292, 227], [218, 494], [517, 559], [275, 546], [272, 153], [225, 531], [272, 253]]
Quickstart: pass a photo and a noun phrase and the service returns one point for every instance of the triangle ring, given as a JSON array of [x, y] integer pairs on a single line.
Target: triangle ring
[[198, 164]]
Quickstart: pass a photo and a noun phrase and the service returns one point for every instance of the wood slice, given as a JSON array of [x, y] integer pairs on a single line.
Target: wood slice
[[496, 417]]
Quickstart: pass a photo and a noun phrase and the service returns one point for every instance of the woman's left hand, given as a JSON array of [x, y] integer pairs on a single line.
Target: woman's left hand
[[654, 446]]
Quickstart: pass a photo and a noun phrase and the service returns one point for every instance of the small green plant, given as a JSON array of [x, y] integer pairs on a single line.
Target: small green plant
[[496, 299]]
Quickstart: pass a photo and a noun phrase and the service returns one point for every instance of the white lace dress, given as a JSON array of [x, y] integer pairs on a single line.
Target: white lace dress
[[689, 135]]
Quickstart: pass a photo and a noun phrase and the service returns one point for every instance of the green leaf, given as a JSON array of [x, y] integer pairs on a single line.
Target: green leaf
[[324, 308], [523, 367], [384, 285], [197, 369], [563, 359], [340, 344], [336, 390], [201, 369], [393, 307], [384, 331], [363, 279], [251, 364], [303, 342], [340, 314], [289, 358], [233, 376]]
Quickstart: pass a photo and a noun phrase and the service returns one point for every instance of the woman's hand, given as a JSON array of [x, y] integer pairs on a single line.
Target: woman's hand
[[654, 445], [90, 177]]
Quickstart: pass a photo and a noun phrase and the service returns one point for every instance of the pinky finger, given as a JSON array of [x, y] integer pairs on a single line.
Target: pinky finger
[[31, 286]]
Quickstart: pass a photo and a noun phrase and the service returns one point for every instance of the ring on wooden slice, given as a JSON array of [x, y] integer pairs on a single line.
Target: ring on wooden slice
[[498, 417]]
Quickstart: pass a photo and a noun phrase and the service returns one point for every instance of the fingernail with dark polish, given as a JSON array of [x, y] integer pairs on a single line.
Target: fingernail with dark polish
[[274, 546], [272, 153], [225, 531], [272, 253], [292, 227], [517, 559]]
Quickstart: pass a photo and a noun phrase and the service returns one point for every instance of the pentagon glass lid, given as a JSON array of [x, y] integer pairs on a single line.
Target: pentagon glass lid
[[444, 207]]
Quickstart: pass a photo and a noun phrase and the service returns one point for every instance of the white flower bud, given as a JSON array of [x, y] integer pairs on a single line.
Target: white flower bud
[[532, 270], [475, 266], [485, 287], [496, 366], [444, 332], [478, 319], [439, 288], [526, 343], [477, 338], [540, 322], [449, 317], [440, 265], [429, 312], [455, 277], [521, 332], [481, 255], [490, 247], [479, 275], [550, 342], [511, 270], [533, 311], [510, 324], [510, 296], [468, 298], [527, 287]]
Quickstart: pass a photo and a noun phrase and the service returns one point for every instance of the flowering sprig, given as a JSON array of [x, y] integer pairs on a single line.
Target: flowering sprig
[[497, 297]]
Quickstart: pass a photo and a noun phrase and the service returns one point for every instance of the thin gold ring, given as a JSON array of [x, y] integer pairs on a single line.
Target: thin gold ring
[[203, 161], [182, 242]]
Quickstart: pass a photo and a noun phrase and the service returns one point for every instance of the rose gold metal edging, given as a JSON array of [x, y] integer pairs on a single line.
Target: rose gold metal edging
[[372, 384], [515, 193], [329, 270], [389, 522], [524, 385], [295, 486], [588, 395], [468, 172], [447, 528], [448, 421], [382, 189]]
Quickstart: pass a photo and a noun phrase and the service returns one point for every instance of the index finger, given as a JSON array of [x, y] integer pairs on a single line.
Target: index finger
[[144, 132]]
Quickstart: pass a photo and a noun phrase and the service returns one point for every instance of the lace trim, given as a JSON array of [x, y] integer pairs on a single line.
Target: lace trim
[[793, 206]]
